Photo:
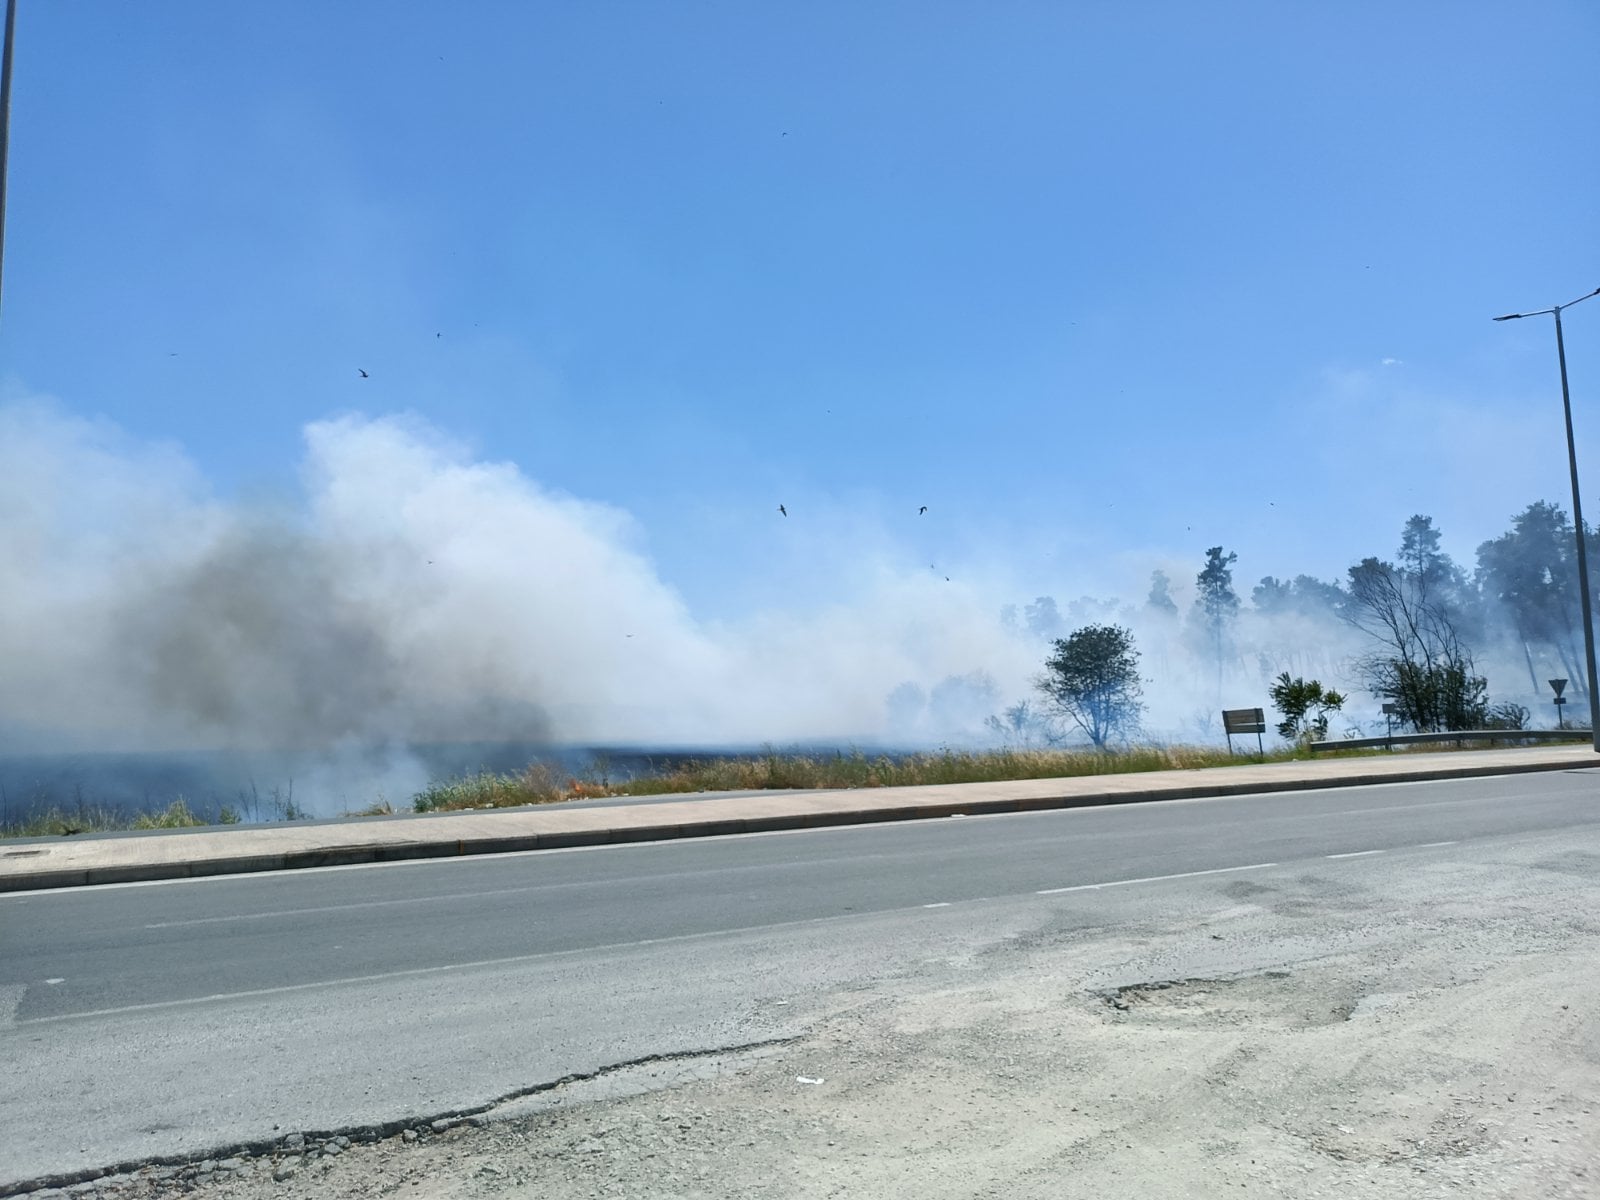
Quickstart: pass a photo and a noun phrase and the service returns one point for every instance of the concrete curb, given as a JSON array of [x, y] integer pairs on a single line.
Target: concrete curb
[[874, 809]]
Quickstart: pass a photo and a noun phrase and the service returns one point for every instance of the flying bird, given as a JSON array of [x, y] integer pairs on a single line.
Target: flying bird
[[922, 510], [364, 375], [783, 510]]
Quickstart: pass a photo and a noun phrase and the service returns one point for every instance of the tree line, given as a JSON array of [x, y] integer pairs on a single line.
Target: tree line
[[1425, 620]]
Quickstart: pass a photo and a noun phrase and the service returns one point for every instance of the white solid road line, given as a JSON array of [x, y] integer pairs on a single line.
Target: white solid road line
[[296, 912], [1091, 887], [1356, 854]]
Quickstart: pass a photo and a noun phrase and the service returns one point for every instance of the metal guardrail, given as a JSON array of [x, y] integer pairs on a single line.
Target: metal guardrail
[[1459, 736]]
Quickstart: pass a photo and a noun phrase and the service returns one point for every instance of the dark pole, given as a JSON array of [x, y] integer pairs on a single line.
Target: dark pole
[[1583, 556], [5, 118]]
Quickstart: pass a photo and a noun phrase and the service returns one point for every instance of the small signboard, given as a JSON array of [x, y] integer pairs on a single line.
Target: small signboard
[[1244, 720]]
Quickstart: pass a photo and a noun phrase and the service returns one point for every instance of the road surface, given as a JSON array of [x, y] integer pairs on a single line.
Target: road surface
[[177, 1018]]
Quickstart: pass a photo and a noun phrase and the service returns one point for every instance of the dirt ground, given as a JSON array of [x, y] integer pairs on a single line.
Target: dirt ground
[[1357, 1030]]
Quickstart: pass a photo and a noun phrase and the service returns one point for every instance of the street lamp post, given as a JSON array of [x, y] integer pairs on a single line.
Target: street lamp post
[[5, 114], [1577, 509]]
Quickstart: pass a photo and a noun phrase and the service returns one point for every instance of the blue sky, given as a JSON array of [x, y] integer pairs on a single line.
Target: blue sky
[[1100, 284]]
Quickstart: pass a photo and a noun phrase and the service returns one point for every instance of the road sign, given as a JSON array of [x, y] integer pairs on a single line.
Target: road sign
[[1560, 685]]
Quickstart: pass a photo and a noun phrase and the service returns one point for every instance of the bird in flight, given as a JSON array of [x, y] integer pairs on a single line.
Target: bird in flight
[[364, 375], [922, 510], [783, 510]]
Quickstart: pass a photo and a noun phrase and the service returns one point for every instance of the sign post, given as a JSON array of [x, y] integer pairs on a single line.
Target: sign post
[[1245, 720], [1559, 686]]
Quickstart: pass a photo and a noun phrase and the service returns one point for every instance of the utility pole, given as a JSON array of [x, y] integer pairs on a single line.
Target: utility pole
[[1577, 509], [5, 119]]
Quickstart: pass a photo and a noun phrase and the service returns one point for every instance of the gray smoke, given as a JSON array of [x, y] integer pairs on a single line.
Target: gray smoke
[[410, 595]]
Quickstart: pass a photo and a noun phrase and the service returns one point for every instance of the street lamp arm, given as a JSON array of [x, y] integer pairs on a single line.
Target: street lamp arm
[[1582, 298], [1545, 312]]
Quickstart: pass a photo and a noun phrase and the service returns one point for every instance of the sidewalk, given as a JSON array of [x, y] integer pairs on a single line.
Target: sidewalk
[[176, 854]]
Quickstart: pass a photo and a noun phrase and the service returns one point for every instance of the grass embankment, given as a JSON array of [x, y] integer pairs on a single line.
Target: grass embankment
[[540, 785], [543, 784]]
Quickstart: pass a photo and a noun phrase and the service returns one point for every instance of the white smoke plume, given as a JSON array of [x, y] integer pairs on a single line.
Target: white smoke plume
[[410, 593]]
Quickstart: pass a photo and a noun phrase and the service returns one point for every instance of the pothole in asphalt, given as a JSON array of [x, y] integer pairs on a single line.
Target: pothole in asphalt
[[1269, 998], [1573, 862]]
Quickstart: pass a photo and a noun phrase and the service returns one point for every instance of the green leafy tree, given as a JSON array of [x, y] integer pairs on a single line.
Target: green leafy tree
[[1092, 681], [1305, 706]]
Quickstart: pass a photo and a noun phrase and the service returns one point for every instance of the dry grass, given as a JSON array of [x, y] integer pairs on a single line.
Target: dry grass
[[537, 784], [95, 818], [540, 784]]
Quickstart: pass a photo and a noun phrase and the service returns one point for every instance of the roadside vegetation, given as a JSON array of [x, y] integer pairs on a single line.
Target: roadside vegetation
[[541, 783], [96, 818]]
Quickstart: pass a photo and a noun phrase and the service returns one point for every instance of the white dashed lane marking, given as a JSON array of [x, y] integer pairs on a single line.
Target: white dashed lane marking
[[1091, 887]]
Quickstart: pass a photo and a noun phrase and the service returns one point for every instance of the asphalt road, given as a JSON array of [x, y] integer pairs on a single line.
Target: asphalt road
[[175, 1018]]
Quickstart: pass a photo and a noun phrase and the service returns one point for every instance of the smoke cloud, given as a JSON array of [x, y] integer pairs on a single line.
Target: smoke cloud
[[411, 594]]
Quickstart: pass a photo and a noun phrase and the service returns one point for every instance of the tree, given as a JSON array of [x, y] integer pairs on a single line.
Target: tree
[[1043, 618], [1508, 715], [1304, 595], [1531, 574], [1020, 725], [1419, 549], [1305, 706], [1217, 603], [1160, 599], [1272, 595], [1423, 666], [1436, 576], [1092, 680]]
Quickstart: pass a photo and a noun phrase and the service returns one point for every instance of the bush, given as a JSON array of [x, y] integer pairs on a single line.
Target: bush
[[1305, 706]]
